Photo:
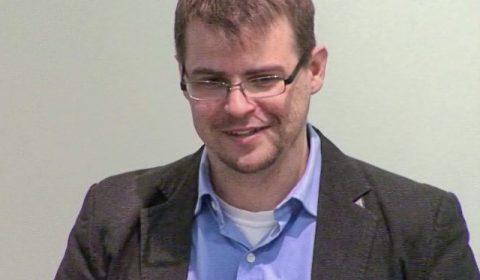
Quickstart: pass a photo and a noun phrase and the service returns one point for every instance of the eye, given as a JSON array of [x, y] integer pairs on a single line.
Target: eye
[[264, 82], [208, 85], [211, 79]]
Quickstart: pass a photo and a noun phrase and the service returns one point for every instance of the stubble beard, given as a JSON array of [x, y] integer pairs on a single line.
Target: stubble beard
[[267, 159], [264, 163]]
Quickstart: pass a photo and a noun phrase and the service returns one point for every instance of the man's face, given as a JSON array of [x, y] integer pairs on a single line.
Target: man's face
[[243, 133]]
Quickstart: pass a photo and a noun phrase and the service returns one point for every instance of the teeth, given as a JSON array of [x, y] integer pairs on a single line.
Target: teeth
[[244, 132]]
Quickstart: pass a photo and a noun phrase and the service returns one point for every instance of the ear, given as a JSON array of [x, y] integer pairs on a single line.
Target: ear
[[180, 74], [179, 66], [317, 65]]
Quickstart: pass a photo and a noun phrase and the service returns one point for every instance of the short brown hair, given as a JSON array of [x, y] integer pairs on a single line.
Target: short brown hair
[[235, 16]]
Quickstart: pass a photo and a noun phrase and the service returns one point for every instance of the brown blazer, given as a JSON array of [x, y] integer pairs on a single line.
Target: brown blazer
[[372, 224]]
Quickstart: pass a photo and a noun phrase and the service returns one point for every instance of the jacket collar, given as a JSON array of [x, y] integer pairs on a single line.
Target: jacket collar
[[166, 226], [344, 233], [345, 229]]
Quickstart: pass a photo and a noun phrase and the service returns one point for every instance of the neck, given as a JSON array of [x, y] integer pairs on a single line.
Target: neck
[[265, 189]]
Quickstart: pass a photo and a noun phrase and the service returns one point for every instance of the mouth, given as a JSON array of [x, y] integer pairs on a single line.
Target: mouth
[[244, 132]]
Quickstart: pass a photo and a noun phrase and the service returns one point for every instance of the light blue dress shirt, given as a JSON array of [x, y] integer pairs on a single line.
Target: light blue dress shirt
[[221, 251]]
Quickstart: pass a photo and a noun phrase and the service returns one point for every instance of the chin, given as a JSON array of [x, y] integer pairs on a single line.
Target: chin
[[251, 166]]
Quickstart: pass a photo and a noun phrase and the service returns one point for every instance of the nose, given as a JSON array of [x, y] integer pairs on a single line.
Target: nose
[[237, 104]]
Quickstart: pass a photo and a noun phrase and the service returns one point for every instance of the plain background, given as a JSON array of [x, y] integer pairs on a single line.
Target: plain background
[[90, 89]]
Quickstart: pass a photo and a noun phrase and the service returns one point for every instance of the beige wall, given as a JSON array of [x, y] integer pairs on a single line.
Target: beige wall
[[89, 89]]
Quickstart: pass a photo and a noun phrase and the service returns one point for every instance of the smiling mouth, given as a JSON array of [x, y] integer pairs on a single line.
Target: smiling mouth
[[244, 132]]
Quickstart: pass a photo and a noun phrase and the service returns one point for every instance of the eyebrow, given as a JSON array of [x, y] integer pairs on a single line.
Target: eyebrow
[[251, 72], [207, 71]]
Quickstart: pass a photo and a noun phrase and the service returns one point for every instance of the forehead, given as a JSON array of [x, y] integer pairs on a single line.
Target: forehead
[[208, 46]]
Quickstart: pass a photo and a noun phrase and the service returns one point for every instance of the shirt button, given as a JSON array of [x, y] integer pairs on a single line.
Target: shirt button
[[214, 205], [250, 257]]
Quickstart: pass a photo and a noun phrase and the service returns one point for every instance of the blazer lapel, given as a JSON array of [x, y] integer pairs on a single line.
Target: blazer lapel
[[344, 234], [345, 229], [166, 227]]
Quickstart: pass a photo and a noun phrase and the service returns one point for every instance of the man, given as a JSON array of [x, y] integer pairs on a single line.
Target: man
[[268, 196]]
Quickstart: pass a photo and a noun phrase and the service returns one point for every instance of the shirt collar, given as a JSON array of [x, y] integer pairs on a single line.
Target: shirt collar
[[205, 188], [305, 191], [307, 188]]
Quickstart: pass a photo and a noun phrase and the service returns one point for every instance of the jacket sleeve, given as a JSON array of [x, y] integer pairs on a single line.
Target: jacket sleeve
[[452, 257], [83, 257]]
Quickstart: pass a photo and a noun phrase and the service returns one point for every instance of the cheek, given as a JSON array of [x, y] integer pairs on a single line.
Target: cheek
[[198, 108], [296, 107], [203, 114], [200, 121], [296, 100]]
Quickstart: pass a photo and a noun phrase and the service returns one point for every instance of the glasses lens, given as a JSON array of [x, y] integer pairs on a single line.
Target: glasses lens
[[264, 86], [206, 90]]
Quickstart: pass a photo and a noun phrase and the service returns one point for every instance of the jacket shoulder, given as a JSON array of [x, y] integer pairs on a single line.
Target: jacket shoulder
[[117, 200], [424, 225], [144, 184], [390, 186], [409, 210]]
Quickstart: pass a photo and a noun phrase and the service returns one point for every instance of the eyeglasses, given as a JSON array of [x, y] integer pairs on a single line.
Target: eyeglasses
[[257, 87]]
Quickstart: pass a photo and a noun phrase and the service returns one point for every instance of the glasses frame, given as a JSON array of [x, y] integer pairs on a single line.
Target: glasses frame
[[228, 86]]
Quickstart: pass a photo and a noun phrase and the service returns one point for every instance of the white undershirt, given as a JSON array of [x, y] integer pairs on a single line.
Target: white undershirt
[[253, 225]]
